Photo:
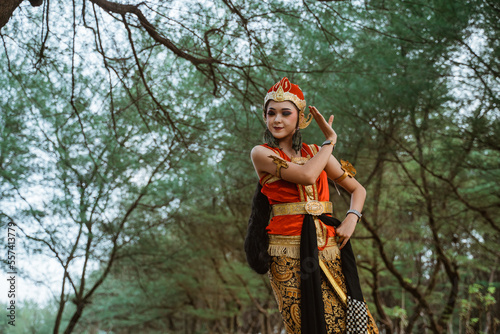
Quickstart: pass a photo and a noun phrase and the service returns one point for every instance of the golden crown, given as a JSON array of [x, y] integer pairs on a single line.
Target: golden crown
[[284, 90]]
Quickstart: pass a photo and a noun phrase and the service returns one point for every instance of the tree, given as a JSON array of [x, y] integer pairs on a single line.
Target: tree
[[140, 118]]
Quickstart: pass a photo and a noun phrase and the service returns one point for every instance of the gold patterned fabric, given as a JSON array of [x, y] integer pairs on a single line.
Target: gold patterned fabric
[[289, 245], [302, 208], [284, 275]]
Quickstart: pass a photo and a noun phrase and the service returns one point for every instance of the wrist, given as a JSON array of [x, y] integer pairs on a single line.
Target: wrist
[[351, 220], [354, 214], [350, 217], [329, 142]]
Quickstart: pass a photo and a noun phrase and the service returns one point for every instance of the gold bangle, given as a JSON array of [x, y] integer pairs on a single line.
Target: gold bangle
[[348, 169], [280, 163], [341, 177]]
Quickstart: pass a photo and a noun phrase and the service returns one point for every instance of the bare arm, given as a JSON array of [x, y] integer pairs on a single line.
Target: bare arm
[[302, 174], [358, 196], [264, 159]]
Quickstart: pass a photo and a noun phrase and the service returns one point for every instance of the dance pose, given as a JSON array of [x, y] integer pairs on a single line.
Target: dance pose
[[291, 234]]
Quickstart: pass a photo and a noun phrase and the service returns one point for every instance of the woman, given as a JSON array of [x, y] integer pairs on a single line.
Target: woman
[[315, 284]]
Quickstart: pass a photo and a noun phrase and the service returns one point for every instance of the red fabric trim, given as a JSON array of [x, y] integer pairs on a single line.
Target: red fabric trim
[[282, 191]]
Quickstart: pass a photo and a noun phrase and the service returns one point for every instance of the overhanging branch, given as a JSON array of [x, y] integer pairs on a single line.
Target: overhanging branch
[[121, 9]]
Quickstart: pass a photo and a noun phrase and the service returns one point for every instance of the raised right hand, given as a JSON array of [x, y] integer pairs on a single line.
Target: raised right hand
[[326, 127]]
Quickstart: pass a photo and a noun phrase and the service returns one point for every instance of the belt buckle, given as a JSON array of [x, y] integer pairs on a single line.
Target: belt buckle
[[314, 208]]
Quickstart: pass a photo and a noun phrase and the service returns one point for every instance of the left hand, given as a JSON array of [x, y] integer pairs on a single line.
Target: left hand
[[346, 229]]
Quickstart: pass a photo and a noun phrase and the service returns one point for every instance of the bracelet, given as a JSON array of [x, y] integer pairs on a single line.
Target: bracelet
[[348, 170], [280, 163], [329, 142], [341, 177], [356, 212]]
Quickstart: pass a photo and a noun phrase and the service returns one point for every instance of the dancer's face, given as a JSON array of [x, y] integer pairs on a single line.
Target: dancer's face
[[281, 118]]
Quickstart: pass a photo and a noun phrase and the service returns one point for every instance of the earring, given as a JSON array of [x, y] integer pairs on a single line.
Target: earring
[[297, 140], [270, 140]]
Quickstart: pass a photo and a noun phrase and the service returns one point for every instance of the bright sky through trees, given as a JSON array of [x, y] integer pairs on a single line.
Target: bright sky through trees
[[125, 132]]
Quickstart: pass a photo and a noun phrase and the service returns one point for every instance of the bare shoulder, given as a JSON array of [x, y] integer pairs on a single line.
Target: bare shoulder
[[259, 152], [260, 159]]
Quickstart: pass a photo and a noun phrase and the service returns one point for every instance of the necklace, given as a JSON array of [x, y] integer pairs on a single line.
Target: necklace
[[294, 154]]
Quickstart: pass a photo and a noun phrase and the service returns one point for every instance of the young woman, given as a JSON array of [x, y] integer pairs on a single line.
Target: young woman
[[306, 252]]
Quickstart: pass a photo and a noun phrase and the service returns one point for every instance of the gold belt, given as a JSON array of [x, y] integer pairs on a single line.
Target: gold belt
[[312, 207]]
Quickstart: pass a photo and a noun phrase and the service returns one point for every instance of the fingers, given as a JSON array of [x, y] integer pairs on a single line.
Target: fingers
[[344, 242], [342, 237], [325, 127], [314, 111], [344, 232], [317, 115]]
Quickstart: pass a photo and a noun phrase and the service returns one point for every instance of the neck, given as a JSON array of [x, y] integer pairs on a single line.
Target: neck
[[286, 146]]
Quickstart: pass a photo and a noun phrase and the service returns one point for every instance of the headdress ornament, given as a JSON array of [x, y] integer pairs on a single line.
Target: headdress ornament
[[284, 90]]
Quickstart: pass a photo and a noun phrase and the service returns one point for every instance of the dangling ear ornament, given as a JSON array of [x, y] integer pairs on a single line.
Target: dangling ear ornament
[[305, 121], [297, 140]]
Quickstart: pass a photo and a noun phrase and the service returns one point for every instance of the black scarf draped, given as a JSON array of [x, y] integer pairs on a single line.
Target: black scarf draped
[[312, 308]]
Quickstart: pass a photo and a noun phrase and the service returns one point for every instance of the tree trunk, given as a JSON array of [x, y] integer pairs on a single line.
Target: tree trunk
[[76, 316]]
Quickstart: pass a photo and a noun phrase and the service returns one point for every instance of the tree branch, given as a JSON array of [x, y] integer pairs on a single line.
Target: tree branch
[[121, 9]]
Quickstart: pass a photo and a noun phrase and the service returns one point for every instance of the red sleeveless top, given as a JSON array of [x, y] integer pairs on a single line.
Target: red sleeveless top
[[278, 191]]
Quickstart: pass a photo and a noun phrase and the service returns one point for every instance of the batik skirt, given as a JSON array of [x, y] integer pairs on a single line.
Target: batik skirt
[[284, 275]]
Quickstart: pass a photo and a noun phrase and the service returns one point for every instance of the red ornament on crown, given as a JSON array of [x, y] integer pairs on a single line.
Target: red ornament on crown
[[284, 90]]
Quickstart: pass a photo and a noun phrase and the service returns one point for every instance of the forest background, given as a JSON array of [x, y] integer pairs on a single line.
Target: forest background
[[125, 132]]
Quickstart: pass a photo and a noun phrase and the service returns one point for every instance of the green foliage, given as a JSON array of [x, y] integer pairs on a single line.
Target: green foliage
[[127, 160], [31, 317], [479, 304]]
